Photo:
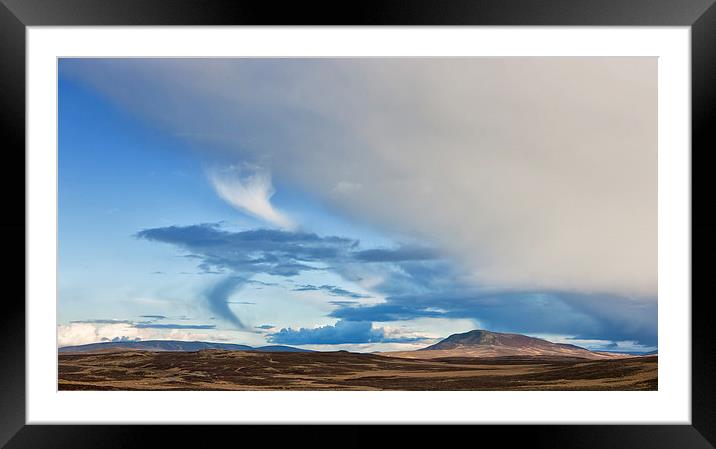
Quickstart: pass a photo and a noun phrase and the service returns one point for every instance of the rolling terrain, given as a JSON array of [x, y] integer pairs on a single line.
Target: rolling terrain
[[477, 360], [244, 370]]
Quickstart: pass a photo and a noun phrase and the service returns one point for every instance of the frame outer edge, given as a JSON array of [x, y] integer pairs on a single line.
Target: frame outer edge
[[346, 436], [12, 115], [364, 12], [703, 116], [12, 223]]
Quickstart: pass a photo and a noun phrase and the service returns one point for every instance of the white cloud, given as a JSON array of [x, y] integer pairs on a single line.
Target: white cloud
[[248, 189], [80, 333]]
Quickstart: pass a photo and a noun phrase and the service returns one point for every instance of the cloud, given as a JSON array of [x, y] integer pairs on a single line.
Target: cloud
[[262, 283], [343, 303], [331, 290], [388, 311], [534, 173], [78, 333], [217, 297], [288, 253], [247, 253], [103, 321], [146, 324], [174, 326], [82, 333], [265, 326], [582, 316], [402, 254], [343, 332], [249, 190], [274, 252], [414, 286], [347, 188], [121, 338]]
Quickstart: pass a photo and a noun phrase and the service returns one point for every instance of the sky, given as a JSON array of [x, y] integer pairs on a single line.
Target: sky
[[359, 204]]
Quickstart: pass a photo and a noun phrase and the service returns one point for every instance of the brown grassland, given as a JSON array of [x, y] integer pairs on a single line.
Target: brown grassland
[[240, 370]]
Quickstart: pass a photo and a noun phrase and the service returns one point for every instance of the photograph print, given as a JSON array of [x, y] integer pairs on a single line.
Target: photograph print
[[473, 223]]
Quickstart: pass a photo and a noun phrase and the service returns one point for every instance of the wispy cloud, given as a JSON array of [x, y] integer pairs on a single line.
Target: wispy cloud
[[217, 297], [249, 190], [262, 283], [103, 321], [343, 303], [145, 324], [331, 290], [174, 326]]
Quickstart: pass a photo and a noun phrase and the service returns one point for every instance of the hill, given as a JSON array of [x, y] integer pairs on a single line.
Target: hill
[[171, 346], [482, 343]]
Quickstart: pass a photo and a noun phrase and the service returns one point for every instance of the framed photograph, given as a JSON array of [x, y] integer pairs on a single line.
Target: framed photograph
[[477, 213]]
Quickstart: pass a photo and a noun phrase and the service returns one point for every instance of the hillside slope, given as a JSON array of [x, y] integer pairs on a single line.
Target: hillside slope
[[482, 343]]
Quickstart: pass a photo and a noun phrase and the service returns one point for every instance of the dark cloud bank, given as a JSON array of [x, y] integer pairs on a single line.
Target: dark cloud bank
[[417, 282]]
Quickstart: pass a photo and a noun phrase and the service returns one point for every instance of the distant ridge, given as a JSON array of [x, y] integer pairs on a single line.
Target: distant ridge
[[483, 343], [654, 352], [171, 346]]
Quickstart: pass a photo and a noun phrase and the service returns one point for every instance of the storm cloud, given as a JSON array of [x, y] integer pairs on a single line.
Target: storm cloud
[[535, 173], [582, 316]]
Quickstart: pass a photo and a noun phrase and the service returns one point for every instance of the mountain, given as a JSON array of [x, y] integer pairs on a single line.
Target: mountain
[[172, 346], [482, 343]]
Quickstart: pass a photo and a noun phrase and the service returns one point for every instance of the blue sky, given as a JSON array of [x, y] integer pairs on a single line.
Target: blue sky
[[356, 204]]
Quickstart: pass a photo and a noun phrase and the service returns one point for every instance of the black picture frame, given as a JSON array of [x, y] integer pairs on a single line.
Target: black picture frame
[[16, 15]]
